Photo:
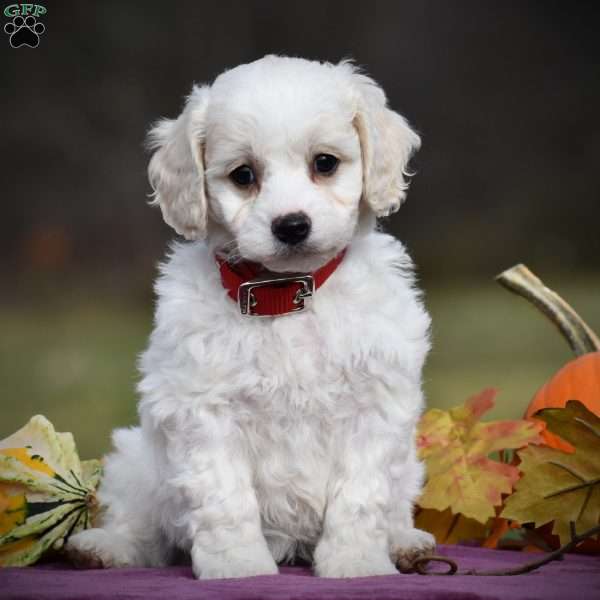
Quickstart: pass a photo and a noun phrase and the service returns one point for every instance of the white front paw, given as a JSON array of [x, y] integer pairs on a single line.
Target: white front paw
[[98, 549], [241, 561], [337, 560], [410, 544]]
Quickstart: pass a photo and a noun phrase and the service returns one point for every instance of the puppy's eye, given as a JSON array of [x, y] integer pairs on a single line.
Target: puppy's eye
[[325, 164], [243, 176]]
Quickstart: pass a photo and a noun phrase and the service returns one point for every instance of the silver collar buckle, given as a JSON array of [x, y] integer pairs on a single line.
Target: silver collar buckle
[[247, 300]]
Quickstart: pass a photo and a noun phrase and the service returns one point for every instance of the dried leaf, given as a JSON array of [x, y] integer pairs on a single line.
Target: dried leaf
[[559, 486], [456, 447], [450, 529]]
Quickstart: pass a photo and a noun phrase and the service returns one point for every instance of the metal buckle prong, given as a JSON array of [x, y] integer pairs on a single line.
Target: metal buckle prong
[[247, 301]]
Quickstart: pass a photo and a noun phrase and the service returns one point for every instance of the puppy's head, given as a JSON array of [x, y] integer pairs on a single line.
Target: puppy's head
[[280, 155]]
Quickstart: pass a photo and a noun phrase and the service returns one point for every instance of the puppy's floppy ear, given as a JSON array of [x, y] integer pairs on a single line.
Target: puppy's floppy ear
[[176, 170], [387, 143]]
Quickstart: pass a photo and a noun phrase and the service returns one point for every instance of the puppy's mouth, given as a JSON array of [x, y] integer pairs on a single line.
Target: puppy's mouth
[[304, 250], [298, 258], [303, 258]]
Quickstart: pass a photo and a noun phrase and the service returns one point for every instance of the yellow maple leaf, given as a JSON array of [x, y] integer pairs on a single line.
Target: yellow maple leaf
[[448, 528], [456, 448], [558, 486]]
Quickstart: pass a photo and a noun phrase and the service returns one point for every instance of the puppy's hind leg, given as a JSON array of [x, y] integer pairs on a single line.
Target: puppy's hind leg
[[407, 542], [127, 534]]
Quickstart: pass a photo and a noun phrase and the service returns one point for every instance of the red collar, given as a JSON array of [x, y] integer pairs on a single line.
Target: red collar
[[263, 293]]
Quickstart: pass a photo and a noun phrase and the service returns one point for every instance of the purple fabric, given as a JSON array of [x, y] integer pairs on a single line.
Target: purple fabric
[[576, 577]]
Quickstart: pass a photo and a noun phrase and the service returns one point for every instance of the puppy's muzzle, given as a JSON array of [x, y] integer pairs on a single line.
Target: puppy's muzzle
[[292, 228]]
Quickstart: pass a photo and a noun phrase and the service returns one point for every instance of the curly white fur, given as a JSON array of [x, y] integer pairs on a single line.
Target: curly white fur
[[262, 439]]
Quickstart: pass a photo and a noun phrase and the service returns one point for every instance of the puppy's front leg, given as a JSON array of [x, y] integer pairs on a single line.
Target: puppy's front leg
[[221, 512], [355, 539]]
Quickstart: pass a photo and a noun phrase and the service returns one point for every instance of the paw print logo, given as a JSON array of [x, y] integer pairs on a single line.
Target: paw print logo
[[24, 31]]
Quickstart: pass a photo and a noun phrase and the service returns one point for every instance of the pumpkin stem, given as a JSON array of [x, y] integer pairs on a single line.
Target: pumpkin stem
[[520, 280]]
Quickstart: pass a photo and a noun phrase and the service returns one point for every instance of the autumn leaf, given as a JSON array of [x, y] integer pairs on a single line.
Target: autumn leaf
[[456, 447], [559, 486], [448, 528]]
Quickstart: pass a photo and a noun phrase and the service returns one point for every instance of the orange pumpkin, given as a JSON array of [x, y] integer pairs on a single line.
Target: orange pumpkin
[[579, 380]]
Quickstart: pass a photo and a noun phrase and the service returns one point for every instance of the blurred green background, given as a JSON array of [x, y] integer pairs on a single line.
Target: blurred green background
[[504, 94]]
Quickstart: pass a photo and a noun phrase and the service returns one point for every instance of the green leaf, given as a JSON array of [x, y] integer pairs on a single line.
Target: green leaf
[[558, 486]]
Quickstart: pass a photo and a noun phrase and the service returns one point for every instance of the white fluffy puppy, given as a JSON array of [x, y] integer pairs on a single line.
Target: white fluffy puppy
[[262, 439]]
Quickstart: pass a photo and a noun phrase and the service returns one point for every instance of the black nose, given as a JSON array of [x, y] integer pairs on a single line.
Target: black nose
[[291, 229]]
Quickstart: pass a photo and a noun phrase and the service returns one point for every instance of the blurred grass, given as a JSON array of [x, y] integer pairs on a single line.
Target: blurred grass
[[73, 363], [73, 357], [485, 336]]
